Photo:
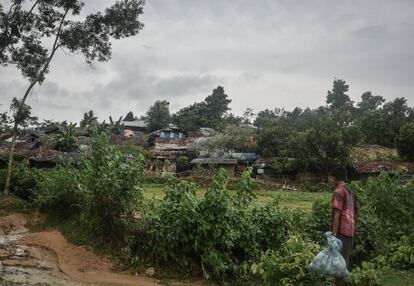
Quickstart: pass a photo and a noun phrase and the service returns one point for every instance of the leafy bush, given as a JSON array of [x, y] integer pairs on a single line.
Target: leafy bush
[[57, 191], [402, 256], [111, 185], [321, 212], [390, 201], [102, 195], [365, 275], [218, 235], [289, 265], [245, 188], [272, 225], [23, 180], [172, 225], [386, 211]]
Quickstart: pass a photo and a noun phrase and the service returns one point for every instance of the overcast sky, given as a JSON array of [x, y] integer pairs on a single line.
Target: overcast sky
[[265, 53]]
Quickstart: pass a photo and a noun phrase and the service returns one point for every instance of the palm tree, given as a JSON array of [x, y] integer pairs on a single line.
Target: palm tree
[[66, 140], [115, 127], [88, 119]]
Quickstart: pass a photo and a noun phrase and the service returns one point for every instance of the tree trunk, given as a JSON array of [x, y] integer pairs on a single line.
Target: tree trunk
[[10, 162], [32, 84]]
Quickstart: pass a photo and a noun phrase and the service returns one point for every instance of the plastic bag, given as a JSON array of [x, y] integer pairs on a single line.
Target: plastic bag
[[330, 261]]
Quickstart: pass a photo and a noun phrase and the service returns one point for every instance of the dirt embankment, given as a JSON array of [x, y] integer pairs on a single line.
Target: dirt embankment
[[38, 257]]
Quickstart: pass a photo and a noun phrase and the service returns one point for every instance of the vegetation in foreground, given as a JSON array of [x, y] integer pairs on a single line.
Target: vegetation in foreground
[[219, 234]]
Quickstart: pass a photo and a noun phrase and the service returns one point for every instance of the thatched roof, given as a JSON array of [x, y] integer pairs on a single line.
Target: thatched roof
[[390, 167]]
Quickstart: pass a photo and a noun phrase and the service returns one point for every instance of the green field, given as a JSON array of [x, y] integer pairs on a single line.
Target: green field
[[290, 199]]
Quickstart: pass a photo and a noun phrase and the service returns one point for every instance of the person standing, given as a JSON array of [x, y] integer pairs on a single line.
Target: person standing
[[344, 212]]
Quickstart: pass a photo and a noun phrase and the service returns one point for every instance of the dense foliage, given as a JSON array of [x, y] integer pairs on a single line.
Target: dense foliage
[[385, 229], [222, 236], [66, 140], [208, 113], [158, 115], [405, 142], [102, 192], [325, 134]]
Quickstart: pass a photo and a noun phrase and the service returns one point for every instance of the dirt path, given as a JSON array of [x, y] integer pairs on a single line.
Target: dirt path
[[46, 257]]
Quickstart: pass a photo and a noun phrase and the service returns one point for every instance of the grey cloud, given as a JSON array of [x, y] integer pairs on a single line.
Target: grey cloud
[[284, 52], [371, 32]]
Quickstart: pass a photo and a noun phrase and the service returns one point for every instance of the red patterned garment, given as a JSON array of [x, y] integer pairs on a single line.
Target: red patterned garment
[[345, 201]]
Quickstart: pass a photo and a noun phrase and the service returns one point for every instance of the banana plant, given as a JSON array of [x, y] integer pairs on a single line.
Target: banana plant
[[66, 140], [115, 127]]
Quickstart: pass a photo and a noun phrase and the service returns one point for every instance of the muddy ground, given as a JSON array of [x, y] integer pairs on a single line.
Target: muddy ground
[[46, 258]]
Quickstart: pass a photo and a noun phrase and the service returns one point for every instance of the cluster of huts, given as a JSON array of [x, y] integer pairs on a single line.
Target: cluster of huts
[[172, 151]]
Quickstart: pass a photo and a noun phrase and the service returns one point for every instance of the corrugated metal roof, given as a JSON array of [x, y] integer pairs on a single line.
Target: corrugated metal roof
[[135, 123], [242, 156], [214, 161]]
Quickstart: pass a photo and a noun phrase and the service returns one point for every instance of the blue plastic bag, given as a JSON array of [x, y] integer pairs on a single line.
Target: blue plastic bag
[[330, 261]]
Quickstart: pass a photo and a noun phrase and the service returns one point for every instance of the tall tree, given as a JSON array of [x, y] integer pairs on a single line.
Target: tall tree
[[405, 142], [248, 116], [396, 112], [274, 129], [129, 117], [158, 115], [27, 26], [337, 97], [323, 145], [370, 102], [209, 113], [232, 119], [190, 117], [216, 105], [233, 139]]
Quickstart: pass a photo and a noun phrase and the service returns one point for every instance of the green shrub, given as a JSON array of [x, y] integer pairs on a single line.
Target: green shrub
[[402, 256], [387, 203], [23, 180], [288, 266], [57, 191], [385, 214], [365, 275], [272, 225], [112, 189], [245, 188], [172, 225], [321, 212], [102, 194], [217, 236]]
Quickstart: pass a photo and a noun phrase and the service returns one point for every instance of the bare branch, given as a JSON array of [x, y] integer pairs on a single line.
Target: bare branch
[[34, 5]]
